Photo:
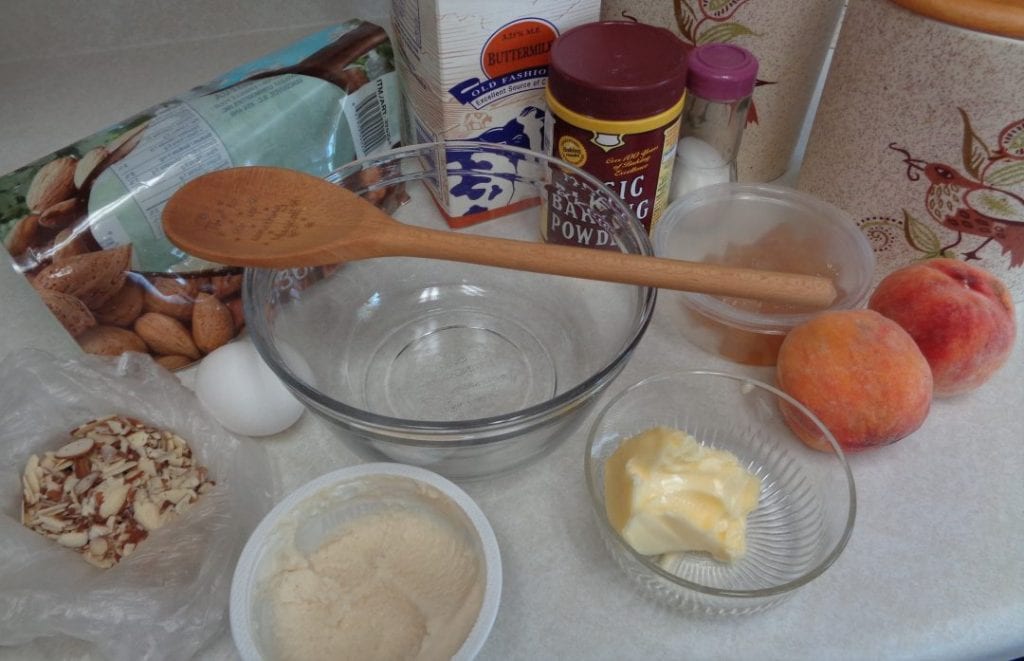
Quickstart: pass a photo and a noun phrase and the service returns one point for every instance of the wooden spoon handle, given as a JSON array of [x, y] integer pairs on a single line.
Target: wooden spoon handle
[[595, 264]]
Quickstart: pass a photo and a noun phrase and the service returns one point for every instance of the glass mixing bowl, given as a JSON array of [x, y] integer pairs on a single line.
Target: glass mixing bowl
[[467, 370], [807, 503]]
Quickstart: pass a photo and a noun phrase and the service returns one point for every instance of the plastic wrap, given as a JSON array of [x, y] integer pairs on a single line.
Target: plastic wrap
[[169, 598]]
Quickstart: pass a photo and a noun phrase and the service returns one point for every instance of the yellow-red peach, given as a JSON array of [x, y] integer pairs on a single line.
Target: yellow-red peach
[[860, 373], [960, 315]]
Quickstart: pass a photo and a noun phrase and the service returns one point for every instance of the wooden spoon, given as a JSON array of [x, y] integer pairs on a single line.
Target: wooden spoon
[[277, 218]]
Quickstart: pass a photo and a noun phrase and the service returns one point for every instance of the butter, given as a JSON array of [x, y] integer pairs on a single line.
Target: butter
[[666, 493]]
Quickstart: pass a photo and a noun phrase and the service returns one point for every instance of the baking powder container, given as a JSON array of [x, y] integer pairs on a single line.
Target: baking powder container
[[615, 92], [920, 132]]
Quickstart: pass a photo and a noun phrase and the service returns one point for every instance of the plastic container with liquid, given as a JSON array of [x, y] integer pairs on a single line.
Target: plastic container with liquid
[[765, 227]]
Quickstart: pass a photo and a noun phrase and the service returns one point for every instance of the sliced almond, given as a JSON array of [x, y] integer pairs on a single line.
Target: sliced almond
[[75, 449], [88, 506], [52, 509], [73, 540], [138, 439], [175, 495], [31, 477], [147, 466], [99, 546], [99, 562], [101, 436], [29, 495], [82, 467], [113, 500], [146, 513], [86, 483], [118, 467], [52, 524], [183, 505], [97, 532]]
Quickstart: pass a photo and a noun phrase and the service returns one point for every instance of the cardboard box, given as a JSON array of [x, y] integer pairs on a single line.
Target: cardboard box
[[476, 71]]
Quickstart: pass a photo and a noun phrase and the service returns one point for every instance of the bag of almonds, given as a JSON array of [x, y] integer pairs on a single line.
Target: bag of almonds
[[124, 509], [83, 224]]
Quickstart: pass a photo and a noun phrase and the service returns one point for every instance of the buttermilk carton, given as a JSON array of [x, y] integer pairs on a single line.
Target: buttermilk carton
[[476, 70]]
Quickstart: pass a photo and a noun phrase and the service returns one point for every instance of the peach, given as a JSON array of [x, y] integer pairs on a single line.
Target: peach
[[860, 373], [961, 317]]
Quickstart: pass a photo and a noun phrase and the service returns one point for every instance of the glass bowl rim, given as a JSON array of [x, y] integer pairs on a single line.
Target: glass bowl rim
[[462, 433], [597, 501]]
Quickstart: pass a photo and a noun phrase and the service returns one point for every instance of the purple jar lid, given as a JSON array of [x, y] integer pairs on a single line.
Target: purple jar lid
[[721, 72]]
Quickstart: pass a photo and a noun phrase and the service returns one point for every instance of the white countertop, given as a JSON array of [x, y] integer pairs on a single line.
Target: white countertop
[[935, 567]]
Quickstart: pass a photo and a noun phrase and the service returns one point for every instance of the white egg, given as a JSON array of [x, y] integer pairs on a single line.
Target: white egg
[[243, 394]]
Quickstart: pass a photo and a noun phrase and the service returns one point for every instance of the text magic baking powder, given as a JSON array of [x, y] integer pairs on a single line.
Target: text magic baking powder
[[615, 93]]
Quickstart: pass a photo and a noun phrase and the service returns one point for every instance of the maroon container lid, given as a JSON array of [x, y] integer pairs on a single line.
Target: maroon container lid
[[617, 70], [721, 72]]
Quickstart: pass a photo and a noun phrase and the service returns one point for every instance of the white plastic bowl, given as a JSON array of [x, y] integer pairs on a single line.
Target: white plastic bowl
[[341, 490]]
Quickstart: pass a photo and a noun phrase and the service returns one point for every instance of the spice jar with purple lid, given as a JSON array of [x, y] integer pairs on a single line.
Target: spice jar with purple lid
[[615, 93], [719, 82]]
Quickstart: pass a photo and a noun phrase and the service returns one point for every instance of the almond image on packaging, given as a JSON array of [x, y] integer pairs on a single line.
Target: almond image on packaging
[[93, 277]]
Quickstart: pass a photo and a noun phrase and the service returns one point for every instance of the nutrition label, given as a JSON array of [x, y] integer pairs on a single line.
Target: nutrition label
[[177, 146]]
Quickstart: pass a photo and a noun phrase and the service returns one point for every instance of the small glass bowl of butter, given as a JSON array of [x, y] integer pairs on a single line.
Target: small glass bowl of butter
[[707, 500]]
